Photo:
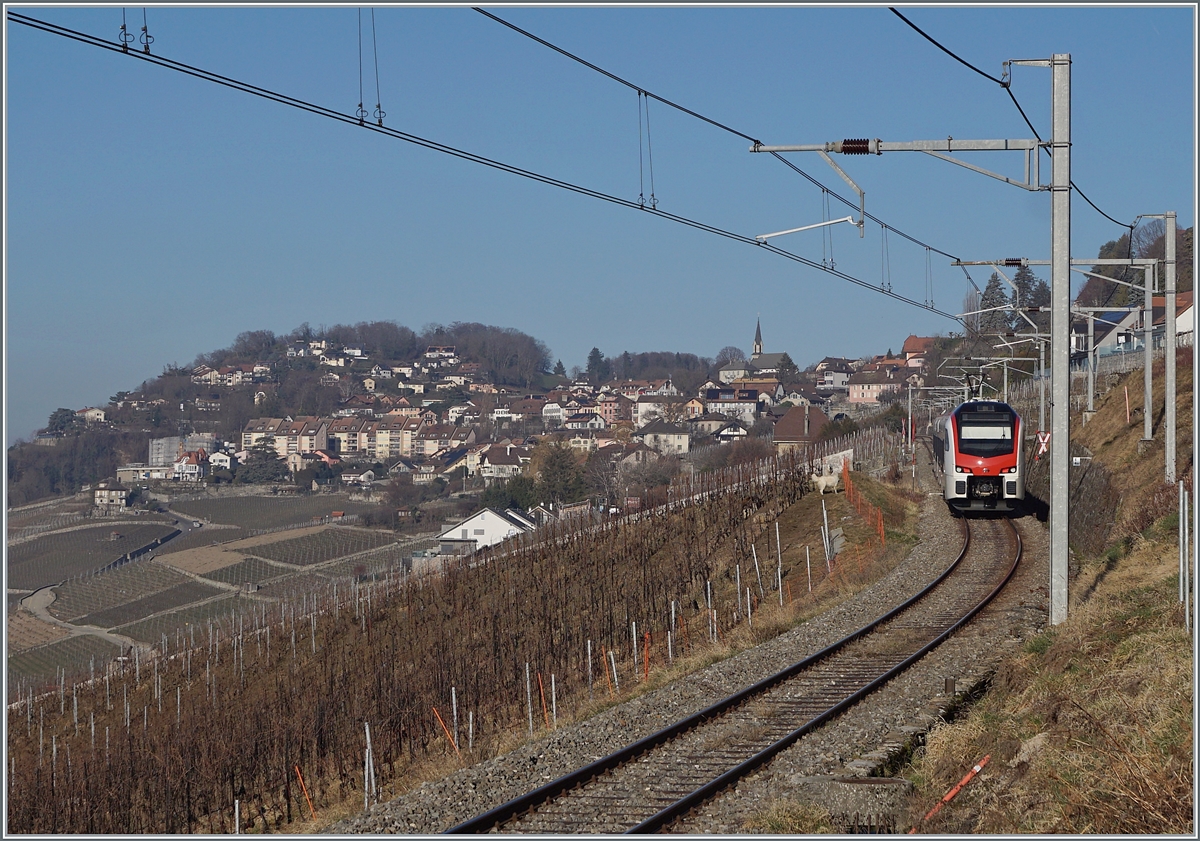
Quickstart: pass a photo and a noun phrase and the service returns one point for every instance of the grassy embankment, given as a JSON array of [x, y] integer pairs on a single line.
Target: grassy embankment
[[1090, 729]]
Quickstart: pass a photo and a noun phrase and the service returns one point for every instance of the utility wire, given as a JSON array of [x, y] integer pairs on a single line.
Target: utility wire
[[1007, 85], [350, 119], [946, 51], [698, 116]]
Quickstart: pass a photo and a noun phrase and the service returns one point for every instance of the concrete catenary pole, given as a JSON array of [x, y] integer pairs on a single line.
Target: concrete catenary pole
[[1148, 350], [1091, 381], [1169, 348], [1060, 351]]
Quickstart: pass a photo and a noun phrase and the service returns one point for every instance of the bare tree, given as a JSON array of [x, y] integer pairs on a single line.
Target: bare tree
[[972, 304], [728, 354]]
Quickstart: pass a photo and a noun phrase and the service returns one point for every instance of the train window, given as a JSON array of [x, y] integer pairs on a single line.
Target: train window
[[985, 434]]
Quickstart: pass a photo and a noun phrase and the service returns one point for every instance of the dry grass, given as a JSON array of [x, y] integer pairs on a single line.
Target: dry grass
[[1090, 729], [27, 631], [788, 818]]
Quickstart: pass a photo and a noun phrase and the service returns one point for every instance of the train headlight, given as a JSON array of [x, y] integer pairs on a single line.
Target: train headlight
[[961, 469], [1011, 470]]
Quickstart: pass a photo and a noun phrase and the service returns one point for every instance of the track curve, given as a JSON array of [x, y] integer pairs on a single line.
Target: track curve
[[656, 780]]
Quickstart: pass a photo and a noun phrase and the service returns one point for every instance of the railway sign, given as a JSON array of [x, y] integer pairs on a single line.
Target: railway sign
[[1043, 439]]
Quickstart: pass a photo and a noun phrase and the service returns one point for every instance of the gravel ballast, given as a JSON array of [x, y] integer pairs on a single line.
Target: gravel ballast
[[854, 745]]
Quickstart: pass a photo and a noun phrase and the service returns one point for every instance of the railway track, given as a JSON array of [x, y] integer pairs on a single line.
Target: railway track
[[650, 784]]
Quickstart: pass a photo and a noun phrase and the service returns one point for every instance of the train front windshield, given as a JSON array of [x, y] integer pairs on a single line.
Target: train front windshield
[[985, 434]]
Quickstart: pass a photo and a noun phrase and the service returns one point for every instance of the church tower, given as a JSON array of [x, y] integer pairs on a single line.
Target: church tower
[[757, 339]]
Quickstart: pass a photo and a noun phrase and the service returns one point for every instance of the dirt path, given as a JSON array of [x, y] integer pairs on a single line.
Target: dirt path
[[38, 604]]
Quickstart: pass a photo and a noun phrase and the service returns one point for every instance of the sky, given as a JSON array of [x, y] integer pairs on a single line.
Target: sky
[[151, 217]]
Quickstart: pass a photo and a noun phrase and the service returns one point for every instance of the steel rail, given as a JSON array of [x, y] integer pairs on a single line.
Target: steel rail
[[686, 804], [531, 800]]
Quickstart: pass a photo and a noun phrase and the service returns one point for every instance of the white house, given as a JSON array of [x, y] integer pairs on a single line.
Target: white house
[[553, 414], [486, 528], [664, 437]]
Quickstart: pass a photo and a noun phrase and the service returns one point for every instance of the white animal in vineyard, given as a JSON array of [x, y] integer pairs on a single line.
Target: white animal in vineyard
[[826, 482]]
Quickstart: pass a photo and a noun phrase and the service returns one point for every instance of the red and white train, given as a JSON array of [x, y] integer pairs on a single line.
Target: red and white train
[[978, 447]]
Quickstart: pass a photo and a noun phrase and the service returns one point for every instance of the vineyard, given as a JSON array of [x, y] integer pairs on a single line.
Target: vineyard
[[75, 654], [251, 692], [260, 513], [250, 570], [326, 545], [175, 597], [174, 626], [127, 583], [58, 557], [201, 537]]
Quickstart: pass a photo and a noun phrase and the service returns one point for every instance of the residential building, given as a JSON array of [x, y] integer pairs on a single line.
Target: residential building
[[663, 437], [915, 350], [614, 407], [800, 427], [870, 386], [483, 529], [585, 420], [110, 497], [191, 466], [257, 430]]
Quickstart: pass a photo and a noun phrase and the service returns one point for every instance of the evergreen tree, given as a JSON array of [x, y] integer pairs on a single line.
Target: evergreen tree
[[1040, 297], [262, 464], [63, 421], [518, 492], [788, 370], [996, 320], [561, 479], [559, 369], [598, 368]]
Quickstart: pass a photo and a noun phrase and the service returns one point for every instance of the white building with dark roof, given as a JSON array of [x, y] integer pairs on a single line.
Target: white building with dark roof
[[485, 528]]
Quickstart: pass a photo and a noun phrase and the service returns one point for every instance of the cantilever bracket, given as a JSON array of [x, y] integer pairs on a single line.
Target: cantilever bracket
[[862, 197]]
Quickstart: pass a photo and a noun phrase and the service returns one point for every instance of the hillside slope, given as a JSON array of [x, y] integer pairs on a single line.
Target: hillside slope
[[1090, 729]]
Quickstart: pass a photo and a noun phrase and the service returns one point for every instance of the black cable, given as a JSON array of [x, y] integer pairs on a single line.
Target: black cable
[[322, 111], [615, 77], [379, 115], [1007, 85], [650, 154], [360, 90], [946, 51], [703, 118]]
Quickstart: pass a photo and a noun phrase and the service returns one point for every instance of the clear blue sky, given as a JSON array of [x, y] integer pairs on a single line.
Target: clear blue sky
[[151, 217]]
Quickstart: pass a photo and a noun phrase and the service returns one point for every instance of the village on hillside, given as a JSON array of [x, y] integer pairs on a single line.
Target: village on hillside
[[440, 422]]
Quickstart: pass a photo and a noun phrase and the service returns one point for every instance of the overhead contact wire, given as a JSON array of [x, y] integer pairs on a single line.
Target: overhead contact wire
[[705, 119], [323, 111], [1007, 85]]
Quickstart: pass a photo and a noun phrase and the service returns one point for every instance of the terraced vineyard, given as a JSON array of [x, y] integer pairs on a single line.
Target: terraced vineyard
[[250, 570], [152, 630], [201, 537], [293, 587], [76, 654], [326, 545], [57, 557], [269, 512], [59, 520], [175, 597], [120, 586]]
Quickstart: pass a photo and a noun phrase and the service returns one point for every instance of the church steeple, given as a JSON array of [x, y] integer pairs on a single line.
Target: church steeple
[[757, 338]]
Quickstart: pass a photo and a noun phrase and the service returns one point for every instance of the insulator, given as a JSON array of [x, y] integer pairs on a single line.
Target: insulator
[[859, 146], [1014, 262]]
